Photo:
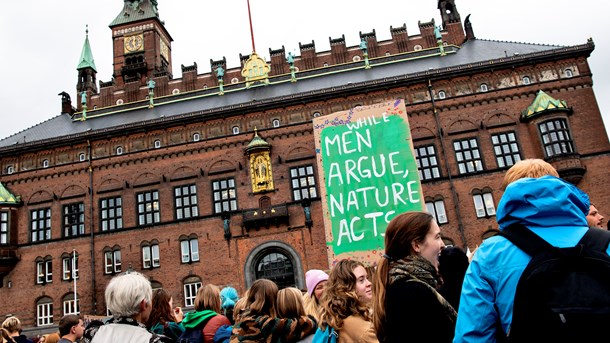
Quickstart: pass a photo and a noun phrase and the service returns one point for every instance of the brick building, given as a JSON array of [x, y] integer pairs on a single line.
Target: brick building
[[161, 177]]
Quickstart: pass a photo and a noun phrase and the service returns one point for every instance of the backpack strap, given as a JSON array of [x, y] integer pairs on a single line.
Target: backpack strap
[[596, 238], [525, 239]]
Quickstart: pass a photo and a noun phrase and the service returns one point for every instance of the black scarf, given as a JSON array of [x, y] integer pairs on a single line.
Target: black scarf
[[418, 269]]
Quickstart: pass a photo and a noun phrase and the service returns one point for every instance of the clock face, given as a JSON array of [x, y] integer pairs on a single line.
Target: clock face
[[164, 50], [134, 43]]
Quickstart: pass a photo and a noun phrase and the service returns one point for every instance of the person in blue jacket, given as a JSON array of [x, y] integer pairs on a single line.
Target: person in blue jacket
[[549, 206]]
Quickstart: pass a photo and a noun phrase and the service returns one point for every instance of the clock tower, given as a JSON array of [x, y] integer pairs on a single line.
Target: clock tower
[[141, 44]]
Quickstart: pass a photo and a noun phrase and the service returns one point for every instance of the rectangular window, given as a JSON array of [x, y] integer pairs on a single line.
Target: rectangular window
[[74, 219], [71, 307], [112, 261], [44, 272], [40, 224], [190, 291], [111, 213], [185, 198], [3, 227], [427, 162], [484, 205], [303, 183], [150, 256], [44, 314], [190, 250], [556, 137], [68, 271], [468, 156], [148, 207], [437, 208], [224, 195], [506, 149]]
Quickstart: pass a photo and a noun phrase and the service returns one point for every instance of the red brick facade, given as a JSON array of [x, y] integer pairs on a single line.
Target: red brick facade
[[464, 113]]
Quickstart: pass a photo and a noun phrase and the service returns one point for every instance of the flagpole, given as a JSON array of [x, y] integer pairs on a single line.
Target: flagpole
[[251, 30], [74, 278]]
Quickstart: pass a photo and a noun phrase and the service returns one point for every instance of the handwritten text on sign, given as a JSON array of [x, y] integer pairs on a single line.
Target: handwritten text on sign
[[370, 174]]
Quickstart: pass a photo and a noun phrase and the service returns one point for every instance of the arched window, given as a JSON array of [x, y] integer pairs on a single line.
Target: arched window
[[82, 157], [275, 266], [484, 87], [483, 203], [526, 80], [196, 137], [442, 94], [191, 286], [44, 311], [119, 150], [235, 130], [569, 72], [157, 143], [276, 123], [71, 305], [45, 163], [316, 114]]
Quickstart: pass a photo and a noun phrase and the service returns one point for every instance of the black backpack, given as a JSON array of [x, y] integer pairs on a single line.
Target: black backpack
[[563, 294], [193, 335]]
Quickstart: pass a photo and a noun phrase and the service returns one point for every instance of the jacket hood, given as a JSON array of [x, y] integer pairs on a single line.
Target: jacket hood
[[194, 319], [542, 202]]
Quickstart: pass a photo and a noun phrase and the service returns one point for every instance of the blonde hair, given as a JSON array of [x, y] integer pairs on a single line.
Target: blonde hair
[[239, 307], [290, 303], [5, 336], [12, 324], [531, 167], [208, 298], [312, 306]]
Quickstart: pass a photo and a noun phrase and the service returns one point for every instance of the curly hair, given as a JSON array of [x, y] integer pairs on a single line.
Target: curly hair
[[340, 299]]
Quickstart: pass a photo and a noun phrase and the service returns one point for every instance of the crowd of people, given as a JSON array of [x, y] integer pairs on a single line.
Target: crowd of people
[[420, 289]]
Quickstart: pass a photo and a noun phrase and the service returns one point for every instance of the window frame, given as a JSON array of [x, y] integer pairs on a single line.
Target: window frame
[[224, 198], [186, 202], [430, 159], [71, 305], [500, 148], [235, 130], [44, 312], [148, 207], [566, 145], [436, 206], [73, 219], [40, 225], [112, 261], [67, 270], [189, 250], [151, 255], [470, 155], [44, 270], [482, 201], [111, 213], [303, 182], [190, 292], [5, 217]]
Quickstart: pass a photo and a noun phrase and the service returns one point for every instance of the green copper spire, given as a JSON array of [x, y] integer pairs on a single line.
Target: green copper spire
[[86, 57], [544, 103], [136, 10], [6, 198]]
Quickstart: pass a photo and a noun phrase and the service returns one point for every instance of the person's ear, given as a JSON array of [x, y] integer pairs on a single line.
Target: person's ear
[[415, 246]]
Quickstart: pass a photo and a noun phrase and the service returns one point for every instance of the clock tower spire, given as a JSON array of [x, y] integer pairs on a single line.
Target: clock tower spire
[[141, 43]]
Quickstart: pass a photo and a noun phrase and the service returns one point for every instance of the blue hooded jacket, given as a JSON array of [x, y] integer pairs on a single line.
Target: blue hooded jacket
[[549, 206]]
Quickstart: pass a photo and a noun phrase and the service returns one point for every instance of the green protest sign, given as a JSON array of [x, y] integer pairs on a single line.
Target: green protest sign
[[369, 172]]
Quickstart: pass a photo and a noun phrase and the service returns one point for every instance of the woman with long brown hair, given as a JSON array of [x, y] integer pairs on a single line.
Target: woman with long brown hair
[[164, 318], [345, 304], [406, 305]]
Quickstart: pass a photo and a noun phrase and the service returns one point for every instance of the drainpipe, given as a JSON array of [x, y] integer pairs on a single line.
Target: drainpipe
[[447, 170], [91, 228]]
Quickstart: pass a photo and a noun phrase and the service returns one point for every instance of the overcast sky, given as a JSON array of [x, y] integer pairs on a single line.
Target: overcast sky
[[43, 39]]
